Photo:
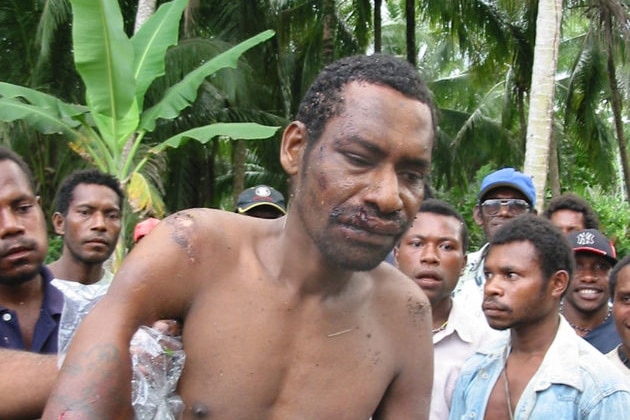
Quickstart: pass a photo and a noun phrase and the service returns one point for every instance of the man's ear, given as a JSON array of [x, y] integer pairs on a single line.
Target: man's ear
[[292, 147], [559, 283], [464, 262], [58, 223], [477, 215]]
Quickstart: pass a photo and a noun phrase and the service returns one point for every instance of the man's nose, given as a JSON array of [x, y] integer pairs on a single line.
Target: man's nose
[[384, 191], [428, 254], [10, 223], [98, 221]]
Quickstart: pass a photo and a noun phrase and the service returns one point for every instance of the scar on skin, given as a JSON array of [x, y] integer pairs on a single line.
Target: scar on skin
[[336, 334], [182, 227], [417, 310]]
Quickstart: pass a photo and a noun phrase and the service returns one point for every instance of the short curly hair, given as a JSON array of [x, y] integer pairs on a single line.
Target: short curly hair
[[573, 202], [436, 206], [614, 274], [8, 154], [65, 193], [552, 247], [324, 99]]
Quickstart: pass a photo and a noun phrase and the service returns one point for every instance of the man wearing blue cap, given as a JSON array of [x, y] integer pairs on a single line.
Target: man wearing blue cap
[[504, 194]]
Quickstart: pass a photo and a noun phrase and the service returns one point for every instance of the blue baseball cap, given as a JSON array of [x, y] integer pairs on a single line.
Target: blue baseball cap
[[509, 177]]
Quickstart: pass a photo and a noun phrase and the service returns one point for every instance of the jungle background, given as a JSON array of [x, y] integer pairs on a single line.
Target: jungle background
[[476, 55]]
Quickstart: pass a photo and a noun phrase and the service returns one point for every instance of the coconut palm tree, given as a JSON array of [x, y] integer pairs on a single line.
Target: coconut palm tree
[[539, 125]]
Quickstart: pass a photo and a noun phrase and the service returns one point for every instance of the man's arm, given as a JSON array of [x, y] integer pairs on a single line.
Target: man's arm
[[409, 395], [95, 379], [25, 383]]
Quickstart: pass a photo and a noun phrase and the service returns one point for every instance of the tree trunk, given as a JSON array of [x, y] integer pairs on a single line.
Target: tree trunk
[[377, 26], [146, 8], [554, 168], [616, 105], [540, 118], [240, 151], [410, 14], [328, 31]]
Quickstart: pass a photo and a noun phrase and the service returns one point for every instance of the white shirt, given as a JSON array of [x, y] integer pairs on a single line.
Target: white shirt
[[464, 333], [613, 356]]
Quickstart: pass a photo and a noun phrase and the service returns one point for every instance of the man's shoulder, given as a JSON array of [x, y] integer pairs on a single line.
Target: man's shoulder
[[394, 292], [389, 279], [205, 223], [572, 356]]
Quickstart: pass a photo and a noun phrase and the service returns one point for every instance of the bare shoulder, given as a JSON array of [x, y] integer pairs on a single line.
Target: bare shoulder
[[199, 231], [401, 296], [179, 257]]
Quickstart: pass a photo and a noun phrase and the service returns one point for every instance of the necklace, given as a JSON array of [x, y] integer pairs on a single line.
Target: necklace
[[506, 384], [583, 329], [441, 327]]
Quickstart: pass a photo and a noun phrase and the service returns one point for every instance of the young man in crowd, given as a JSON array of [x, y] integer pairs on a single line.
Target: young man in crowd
[[586, 305], [298, 314], [543, 369], [261, 201], [88, 210], [30, 306], [571, 213], [433, 254], [504, 194], [620, 295]]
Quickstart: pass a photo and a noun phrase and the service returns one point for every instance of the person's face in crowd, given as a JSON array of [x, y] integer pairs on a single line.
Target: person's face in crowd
[[90, 229], [568, 220], [23, 239], [621, 306], [515, 292], [492, 213], [431, 254], [361, 184], [589, 291]]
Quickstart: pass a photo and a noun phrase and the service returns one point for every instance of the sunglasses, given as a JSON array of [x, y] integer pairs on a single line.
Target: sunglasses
[[515, 206]]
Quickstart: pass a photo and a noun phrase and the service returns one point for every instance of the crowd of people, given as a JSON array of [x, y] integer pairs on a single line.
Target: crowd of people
[[293, 312]]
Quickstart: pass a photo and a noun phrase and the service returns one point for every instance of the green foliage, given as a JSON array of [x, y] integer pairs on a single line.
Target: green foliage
[[55, 248], [613, 211], [117, 71], [464, 200]]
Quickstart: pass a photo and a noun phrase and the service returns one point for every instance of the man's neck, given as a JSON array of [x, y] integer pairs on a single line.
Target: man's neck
[[14, 295], [534, 339], [440, 311], [68, 269], [581, 321]]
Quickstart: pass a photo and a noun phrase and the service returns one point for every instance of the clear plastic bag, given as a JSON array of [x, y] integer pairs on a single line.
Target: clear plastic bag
[[157, 358]]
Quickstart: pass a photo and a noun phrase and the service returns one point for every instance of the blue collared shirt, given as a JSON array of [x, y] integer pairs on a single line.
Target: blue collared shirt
[[46, 328], [605, 337], [574, 381]]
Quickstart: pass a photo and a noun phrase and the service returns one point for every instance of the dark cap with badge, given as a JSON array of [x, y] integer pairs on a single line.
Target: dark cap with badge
[[511, 178], [592, 241], [258, 197]]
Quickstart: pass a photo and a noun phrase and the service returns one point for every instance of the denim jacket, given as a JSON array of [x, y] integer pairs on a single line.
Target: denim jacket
[[574, 381]]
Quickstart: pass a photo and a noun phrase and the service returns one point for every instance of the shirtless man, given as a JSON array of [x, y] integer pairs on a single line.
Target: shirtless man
[[543, 370], [292, 317]]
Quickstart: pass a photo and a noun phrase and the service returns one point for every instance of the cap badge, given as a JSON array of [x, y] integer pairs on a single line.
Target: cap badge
[[585, 238], [263, 191]]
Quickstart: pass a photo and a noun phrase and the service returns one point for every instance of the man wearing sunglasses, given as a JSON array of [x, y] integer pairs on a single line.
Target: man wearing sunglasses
[[504, 194]]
